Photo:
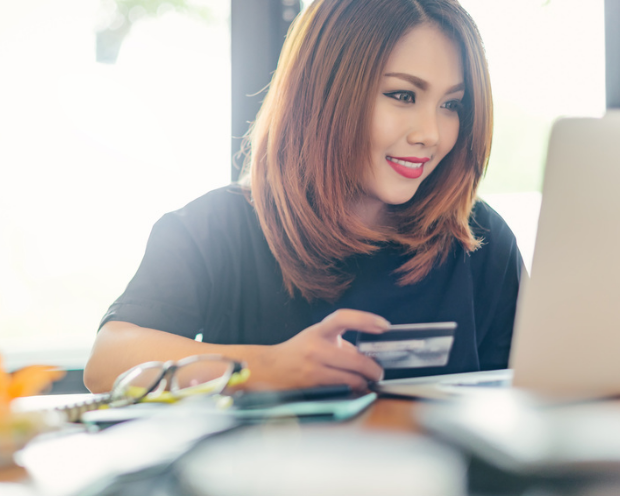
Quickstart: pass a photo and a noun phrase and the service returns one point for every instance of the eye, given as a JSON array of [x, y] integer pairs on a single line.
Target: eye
[[402, 96], [453, 105]]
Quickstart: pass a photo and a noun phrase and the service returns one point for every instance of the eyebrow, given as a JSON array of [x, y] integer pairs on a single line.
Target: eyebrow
[[420, 83]]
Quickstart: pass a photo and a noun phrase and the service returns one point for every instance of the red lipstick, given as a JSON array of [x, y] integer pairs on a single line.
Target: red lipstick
[[413, 169]]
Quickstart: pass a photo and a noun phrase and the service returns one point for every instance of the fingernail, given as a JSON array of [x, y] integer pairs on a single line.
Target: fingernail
[[381, 322], [381, 376]]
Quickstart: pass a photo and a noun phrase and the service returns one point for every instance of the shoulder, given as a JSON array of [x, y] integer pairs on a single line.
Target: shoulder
[[489, 227], [220, 224], [223, 203], [220, 210], [498, 244]]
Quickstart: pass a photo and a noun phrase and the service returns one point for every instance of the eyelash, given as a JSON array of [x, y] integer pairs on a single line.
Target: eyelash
[[452, 105], [396, 95], [457, 105]]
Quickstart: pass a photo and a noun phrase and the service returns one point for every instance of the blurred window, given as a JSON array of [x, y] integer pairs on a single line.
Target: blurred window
[[540, 71], [113, 113]]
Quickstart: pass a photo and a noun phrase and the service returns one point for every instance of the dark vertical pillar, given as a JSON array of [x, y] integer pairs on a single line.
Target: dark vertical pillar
[[612, 53], [258, 28]]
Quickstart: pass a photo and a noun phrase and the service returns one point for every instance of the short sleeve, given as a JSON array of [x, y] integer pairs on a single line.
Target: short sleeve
[[208, 270], [497, 269], [171, 285]]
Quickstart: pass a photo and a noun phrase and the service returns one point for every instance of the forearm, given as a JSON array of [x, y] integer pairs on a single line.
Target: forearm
[[314, 357], [121, 345]]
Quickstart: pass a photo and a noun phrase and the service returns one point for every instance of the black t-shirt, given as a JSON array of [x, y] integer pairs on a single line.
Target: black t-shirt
[[208, 270]]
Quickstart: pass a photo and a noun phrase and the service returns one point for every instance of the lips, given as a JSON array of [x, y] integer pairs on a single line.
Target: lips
[[409, 167]]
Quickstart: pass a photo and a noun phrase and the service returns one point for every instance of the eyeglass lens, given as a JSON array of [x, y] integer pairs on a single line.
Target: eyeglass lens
[[202, 373], [202, 370], [139, 383]]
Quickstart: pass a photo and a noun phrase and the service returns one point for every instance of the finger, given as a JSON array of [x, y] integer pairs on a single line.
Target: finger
[[352, 361], [347, 319], [336, 376], [347, 345]]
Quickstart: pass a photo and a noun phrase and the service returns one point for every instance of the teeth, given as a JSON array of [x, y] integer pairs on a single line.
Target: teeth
[[411, 165]]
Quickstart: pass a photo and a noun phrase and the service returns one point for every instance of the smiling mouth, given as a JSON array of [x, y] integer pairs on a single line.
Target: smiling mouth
[[408, 163], [411, 168]]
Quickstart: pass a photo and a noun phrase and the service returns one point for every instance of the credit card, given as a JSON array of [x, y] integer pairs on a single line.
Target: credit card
[[410, 346]]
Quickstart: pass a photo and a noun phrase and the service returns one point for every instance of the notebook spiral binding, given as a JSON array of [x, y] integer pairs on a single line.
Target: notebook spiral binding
[[75, 411]]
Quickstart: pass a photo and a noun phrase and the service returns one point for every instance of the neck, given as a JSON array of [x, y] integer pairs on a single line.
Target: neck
[[371, 213]]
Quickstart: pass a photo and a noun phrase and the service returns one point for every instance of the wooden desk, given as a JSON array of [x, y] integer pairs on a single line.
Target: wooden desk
[[391, 415]]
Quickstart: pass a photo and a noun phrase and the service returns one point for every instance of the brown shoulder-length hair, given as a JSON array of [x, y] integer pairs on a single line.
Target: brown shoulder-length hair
[[309, 146]]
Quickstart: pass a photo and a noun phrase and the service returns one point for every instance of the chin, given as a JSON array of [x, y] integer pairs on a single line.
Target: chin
[[399, 199]]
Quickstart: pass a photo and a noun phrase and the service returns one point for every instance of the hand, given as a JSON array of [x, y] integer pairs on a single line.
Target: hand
[[319, 356]]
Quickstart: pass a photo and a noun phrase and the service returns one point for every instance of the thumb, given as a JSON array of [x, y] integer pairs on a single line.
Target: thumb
[[346, 319]]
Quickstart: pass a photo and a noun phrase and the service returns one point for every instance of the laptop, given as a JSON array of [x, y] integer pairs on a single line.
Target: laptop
[[566, 341]]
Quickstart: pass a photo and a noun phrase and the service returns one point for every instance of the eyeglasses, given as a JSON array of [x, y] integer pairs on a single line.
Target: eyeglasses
[[167, 382], [171, 381]]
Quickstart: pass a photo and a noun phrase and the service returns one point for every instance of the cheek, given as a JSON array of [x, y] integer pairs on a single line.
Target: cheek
[[377, 133], [384, 129], [450, 134]]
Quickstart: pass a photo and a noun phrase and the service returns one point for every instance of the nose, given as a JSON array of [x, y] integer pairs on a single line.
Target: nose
[[425, 130]]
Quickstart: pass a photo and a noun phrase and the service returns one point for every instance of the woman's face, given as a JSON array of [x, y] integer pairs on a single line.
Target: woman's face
[[415, 122]]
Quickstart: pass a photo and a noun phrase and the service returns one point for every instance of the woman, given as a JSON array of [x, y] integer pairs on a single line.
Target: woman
[[358, 207]]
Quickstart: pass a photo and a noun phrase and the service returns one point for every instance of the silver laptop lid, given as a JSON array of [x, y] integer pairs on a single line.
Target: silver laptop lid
[[567, 331]]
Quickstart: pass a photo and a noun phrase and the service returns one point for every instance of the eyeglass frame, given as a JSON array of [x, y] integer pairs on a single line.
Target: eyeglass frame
[[237, 373]]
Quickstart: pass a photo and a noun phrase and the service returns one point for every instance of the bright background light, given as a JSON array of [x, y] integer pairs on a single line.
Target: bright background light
[[93, 154], [547, 61]]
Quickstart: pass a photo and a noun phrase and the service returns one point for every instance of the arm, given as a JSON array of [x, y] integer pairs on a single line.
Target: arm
[[316, 356]]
